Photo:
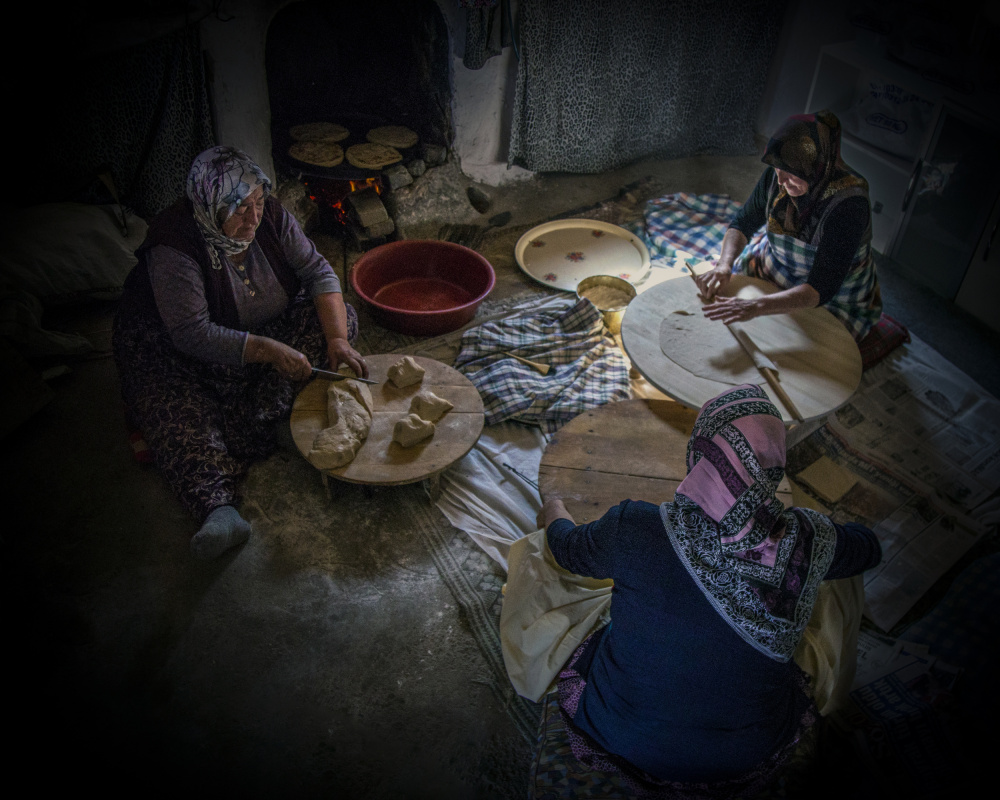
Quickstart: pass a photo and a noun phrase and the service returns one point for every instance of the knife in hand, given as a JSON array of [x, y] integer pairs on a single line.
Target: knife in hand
[[338, 376]]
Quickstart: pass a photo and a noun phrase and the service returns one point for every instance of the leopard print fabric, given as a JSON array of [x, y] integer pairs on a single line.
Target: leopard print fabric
[[601, 84]]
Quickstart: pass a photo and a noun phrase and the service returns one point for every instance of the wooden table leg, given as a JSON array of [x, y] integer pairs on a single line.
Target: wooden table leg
[[432, 485]]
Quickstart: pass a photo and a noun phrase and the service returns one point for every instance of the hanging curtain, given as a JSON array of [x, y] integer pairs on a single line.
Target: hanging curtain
[[601, 84], [144, 112]]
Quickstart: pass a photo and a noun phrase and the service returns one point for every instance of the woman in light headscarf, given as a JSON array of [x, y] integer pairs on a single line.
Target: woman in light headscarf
[[816, 246], [227, 310], [692, 684]]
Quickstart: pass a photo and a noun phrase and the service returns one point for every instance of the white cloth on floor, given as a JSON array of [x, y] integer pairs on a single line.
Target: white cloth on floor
[[547, 613], [489, 501]]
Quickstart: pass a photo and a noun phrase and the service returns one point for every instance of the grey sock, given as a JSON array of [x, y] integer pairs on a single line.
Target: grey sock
[[223, 529]]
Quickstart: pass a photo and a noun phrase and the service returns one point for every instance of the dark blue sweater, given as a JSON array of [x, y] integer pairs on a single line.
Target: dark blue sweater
[[671, 687]]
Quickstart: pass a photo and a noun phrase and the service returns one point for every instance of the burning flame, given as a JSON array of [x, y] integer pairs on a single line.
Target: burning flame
[[333, 195]]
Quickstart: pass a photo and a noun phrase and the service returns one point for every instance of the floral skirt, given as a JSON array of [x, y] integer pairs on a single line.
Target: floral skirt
[[205, 424]]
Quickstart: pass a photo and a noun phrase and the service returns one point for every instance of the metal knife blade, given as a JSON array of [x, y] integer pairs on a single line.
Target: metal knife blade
[[337, 376]]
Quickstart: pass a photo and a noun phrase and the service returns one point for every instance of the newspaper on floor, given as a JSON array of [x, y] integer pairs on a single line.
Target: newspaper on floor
[[914, 455], [897, 714], [927, 422]]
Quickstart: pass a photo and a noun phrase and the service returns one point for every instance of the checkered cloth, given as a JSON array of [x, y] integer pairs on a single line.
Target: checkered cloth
[[588, 369], [689, 223]]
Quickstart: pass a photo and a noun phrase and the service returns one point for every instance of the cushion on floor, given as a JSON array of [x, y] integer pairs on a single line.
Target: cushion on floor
[[886, 335]]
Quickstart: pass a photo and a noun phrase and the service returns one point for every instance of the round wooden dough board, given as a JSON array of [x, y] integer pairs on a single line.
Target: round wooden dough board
[[380, 460], [818, 361], [629, 450]]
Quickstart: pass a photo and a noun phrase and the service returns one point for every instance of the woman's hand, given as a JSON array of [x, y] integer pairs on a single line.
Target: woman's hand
[[736, 309], [733, 309], [712, 282], [340, 352], [288, 361], [552, 509]]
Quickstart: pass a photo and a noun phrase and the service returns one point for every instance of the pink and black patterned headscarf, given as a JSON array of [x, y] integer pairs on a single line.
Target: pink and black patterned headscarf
[[735, 460], [220, 179], [758, 563]]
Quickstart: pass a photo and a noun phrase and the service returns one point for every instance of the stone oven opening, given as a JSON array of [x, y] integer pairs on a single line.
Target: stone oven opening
[[361, 66]]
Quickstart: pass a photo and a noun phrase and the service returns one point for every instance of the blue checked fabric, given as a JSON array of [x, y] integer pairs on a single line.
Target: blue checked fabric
[[690, 223], [786, 261], [588, 369]]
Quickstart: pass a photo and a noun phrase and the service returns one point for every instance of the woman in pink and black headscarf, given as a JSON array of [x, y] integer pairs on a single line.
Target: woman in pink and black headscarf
[[225, 314], [692, 683]]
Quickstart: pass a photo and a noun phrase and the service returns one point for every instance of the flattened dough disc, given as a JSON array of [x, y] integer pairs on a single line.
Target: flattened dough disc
[[818, 362], [705, 348]]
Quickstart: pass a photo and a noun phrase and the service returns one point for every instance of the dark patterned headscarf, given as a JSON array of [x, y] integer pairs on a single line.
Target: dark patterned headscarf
[[758, 563], [808, 147], [221, 178]]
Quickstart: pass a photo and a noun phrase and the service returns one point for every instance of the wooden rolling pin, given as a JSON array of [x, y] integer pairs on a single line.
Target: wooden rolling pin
[[761, 361]]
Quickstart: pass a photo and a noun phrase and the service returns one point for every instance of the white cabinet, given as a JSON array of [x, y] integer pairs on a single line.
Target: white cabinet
[[931, 199]]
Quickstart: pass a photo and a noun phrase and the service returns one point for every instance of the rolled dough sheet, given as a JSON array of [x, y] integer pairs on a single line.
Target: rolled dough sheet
[[702, 346]]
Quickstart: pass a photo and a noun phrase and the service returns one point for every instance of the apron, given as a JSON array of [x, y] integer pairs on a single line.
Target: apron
[[786, 261]]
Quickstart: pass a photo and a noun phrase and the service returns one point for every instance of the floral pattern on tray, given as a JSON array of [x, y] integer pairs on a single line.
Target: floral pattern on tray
[[560, 254]]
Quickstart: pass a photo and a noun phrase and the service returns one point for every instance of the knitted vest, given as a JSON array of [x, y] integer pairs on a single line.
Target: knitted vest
[[175, 227]]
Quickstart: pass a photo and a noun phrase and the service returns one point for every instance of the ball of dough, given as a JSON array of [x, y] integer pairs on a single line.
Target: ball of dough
[[405, 372], [429, 406], [410, 430]]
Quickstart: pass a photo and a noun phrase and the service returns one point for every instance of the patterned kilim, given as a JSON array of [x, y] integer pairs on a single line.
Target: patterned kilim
[[476, 581], [556, 774], [555, 771]]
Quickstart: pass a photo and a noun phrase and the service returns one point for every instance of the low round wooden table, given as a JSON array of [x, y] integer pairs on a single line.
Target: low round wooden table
[[380, 461], [817, 360], [629, 450]]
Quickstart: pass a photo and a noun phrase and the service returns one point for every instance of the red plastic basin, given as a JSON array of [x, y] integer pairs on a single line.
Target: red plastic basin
[[422, 287]]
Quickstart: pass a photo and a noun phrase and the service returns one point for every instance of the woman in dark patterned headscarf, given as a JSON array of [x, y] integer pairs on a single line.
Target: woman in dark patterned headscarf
[[223, 317], [691, 690], [816, 246]]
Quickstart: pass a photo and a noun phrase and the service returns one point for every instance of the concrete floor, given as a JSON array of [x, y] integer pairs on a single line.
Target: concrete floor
[[326, 657]]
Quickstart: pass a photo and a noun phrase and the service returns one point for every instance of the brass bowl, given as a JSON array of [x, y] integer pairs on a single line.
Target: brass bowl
[[612, 313]]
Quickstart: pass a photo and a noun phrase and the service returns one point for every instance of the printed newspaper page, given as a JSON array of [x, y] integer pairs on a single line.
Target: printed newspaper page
[[898, 713], [912, 455]]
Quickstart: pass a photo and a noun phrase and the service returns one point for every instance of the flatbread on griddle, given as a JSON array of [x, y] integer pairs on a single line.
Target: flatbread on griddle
[[393, 136], [319, 132], [322, 154], [372, 156]]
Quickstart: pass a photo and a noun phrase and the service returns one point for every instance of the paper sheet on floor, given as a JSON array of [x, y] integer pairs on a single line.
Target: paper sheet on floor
[[492, 493], [915, 456]]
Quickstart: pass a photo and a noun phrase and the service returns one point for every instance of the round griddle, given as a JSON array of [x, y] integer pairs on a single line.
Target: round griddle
[[357, 124]]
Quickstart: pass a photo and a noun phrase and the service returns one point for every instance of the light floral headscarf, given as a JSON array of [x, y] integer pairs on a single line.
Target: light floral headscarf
[[220, 179]]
